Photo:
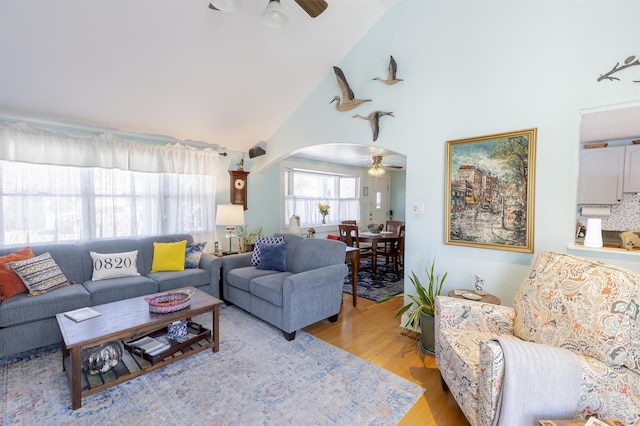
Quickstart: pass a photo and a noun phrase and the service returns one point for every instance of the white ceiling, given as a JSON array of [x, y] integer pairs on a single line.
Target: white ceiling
[[170, 67]]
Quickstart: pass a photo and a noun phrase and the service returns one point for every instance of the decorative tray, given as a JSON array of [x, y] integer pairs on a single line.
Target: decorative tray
[[195, 334]]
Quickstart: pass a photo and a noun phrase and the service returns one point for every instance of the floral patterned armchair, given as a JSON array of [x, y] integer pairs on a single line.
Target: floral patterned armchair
[[565, 301]]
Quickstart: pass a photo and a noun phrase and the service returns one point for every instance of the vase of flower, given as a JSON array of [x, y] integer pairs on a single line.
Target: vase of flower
[[324, 211]]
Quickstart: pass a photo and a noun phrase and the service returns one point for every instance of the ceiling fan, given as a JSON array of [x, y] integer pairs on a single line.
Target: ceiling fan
[[376, 169], [274, 15]]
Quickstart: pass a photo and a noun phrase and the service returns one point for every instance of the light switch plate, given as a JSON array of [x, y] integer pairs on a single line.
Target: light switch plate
[[418, 207]]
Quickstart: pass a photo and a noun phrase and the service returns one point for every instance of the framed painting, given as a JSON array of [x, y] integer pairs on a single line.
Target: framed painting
[[490, 188]]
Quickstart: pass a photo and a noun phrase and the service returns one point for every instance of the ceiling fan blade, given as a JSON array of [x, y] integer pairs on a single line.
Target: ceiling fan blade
[[313, 7], [391, 166]]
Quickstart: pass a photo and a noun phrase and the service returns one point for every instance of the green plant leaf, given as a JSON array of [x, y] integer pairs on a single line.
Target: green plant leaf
[[425, 298]]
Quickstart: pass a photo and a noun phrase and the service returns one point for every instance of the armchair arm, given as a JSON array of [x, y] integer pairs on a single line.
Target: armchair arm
[[490, 379], [312, 295], [314, 278], [469, 315], [236, 261], [212, 264]]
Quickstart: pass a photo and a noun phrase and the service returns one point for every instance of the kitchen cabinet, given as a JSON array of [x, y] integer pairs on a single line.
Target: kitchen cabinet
[[601, 175], [632, 168]]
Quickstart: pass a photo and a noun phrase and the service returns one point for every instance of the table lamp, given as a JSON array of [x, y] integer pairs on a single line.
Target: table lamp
[[230, 215]]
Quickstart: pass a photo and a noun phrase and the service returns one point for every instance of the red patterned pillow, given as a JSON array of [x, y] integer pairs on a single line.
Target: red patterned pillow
[[10, 282]]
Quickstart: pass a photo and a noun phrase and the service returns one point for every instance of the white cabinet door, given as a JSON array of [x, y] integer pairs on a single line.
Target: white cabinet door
[[632, 168], [600, 175]]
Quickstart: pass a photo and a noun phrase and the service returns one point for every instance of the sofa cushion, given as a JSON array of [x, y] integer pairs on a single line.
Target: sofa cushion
[[171, 280], [169, 256], [273, 257], [269, 287], [40, 274], [114, 245], [582, 305], [193, 255], [255, 257], [145, 245], [240, 277], [10, 282], [114, 265], [114, 289], [23, 308]]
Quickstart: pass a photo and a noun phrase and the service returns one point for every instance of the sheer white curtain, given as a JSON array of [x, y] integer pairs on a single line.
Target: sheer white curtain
[[55, 186]]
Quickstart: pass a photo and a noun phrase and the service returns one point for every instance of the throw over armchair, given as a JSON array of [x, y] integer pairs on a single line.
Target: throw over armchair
[[584, 308]]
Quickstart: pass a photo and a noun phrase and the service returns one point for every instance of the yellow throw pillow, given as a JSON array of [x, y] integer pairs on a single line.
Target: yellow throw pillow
[[168, 256]]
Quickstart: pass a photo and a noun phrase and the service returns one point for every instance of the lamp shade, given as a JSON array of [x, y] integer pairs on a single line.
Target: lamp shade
[[594, 233], [274, 15], [225, 5], [229, 214]]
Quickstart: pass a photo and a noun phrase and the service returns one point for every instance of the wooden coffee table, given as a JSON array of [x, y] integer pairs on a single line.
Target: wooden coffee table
[[123, 320]]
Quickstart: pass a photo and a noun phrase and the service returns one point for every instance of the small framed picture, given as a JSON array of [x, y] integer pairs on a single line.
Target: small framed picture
[[365, 191]]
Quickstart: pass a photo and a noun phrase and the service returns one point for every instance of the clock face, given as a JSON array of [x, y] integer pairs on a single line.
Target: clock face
[[239, 183]]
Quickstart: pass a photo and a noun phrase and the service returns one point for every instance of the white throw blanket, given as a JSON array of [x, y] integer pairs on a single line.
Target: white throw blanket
[[540, 382]]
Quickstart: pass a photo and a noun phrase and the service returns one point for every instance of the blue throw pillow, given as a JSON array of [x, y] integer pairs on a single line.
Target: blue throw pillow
[[255, 257], [273, 257], [193, 254]]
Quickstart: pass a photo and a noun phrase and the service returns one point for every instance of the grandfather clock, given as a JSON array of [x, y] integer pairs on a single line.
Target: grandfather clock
[[238, 187]]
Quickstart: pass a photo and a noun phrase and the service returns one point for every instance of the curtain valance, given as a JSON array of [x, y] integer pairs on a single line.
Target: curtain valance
[[22, 142]]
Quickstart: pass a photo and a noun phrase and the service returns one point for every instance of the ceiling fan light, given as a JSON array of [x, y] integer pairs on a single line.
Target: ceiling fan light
[[224, 5], [375, 171], [274, 15]]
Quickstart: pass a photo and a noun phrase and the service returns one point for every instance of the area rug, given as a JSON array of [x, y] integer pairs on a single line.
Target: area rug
[[257, 378], [384, 285]]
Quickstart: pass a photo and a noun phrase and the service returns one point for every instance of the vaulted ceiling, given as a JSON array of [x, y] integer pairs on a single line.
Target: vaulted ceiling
[[170, 67]]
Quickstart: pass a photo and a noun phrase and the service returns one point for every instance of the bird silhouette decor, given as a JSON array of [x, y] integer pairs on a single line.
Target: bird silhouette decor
[[391, 78], [348, 101], [374, 121]]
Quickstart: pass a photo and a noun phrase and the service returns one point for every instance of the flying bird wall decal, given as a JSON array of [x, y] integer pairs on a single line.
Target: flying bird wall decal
[[374, 121], [348, 101], [391, 78]]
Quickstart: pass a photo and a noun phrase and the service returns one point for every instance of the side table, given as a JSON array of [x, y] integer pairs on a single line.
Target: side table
[[487, 298]]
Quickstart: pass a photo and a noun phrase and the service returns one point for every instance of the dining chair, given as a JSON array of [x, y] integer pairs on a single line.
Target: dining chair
[[392, 226], [394, 252], [349, 222], [350, 236]]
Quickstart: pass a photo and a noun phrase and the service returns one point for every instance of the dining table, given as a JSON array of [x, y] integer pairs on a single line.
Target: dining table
[[374, 239]]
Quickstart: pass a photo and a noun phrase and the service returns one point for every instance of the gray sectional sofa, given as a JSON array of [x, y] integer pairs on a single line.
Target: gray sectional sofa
[[309, 291], [28, 322]]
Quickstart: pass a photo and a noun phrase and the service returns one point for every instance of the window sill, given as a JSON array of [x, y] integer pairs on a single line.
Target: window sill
[[610, 250]]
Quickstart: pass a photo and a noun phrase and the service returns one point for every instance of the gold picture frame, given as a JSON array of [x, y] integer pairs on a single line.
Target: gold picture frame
[[490, 188]]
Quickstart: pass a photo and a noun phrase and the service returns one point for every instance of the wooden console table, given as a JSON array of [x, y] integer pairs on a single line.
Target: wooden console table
[[123, 320]]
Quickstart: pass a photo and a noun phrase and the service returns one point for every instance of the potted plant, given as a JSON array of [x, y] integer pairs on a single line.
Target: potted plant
[[421, 306], [247, 237]]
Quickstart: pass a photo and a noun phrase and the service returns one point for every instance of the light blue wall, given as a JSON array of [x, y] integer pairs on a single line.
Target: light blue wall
[[474, 68]]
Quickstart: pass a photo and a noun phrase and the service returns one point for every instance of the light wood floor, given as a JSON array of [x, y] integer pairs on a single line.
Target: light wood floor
[[372, 332]]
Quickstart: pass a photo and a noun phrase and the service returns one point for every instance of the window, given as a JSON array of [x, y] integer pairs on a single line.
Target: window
[[306, 189], [44, 203]]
